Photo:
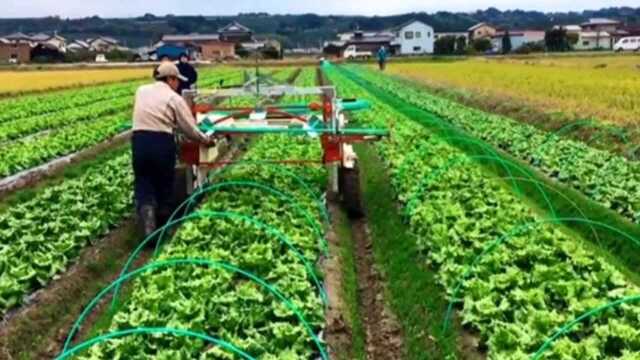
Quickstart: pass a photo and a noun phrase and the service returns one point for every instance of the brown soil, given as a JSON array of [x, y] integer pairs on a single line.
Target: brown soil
[[38, 329], [384, 338], [338, 333]]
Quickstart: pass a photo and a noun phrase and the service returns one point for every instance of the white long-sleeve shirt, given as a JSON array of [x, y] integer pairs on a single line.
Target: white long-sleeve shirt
[[159, 108]]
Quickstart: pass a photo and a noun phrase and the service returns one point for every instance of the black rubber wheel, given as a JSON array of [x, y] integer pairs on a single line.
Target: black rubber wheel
[[349, 184]]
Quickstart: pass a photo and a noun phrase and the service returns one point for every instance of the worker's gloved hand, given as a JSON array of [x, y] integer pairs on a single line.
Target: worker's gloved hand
[[211, 141]]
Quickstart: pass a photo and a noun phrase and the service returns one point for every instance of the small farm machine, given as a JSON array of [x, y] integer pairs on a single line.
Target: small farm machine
[[323, 120]]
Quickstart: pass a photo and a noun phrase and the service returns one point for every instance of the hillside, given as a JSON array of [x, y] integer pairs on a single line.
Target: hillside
[[298, 30]]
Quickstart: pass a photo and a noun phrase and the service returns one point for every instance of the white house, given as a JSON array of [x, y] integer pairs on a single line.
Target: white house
[[592, 40], [518, 38], [414, 37]]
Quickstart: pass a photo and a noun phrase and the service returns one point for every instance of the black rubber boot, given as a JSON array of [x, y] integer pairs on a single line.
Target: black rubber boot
[[164, 213], [147, 219]]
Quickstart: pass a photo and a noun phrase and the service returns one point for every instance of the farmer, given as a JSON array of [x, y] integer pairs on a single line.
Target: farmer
[[158, 111], [188, 71], [382, 57]]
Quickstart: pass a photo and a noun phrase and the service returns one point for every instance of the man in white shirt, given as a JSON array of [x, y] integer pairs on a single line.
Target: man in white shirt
[[157, 113]]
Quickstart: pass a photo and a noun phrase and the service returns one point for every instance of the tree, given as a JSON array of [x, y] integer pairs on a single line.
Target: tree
[[556, 40], [506, 43], [461, 45], [445, 45], [482, 45]]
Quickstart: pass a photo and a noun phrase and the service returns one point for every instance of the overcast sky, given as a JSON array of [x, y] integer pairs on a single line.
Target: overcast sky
[[126, 8]]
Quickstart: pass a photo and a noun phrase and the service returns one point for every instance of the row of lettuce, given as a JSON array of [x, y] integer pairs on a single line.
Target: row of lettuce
[[42, 236], [262, 218], [536, 280], [94, 117], [226, 304], [606, 178]]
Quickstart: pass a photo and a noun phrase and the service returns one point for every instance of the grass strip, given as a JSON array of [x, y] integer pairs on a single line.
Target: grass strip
[[412, 290]]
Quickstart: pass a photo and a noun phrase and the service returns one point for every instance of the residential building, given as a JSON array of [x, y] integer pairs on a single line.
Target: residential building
[[411, 38], [481, 31], [103, 44], [52, 41], [235, 33], [456, 35], [594, 40], [371, 43], [414, 37], [78, 45], [18, 37], [215, 50], [346, 36], [200, 46], [570, 29], [46, 52], [15, 51], [518, 38], [601, 25]]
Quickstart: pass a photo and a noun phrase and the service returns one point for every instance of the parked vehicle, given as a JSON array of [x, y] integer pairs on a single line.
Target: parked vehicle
[[352, 52], [628, 44]]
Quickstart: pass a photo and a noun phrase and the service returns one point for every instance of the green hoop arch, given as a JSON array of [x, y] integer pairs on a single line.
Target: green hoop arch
[[195, 262], [279, 168], [256, 185], [459, 160], [564, 329], [158, 330], [490, 151], [514, 232], [219, 215]]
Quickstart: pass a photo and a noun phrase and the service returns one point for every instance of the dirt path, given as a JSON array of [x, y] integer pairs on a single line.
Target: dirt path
[[384, 338], [338, 331]]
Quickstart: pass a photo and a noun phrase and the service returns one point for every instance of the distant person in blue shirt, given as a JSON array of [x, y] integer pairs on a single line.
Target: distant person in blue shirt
[[382, 58]]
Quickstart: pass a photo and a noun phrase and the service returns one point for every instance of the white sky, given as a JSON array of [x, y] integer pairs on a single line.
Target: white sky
[[126, 8]]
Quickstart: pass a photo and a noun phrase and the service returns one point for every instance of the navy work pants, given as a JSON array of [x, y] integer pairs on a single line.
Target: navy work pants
[[154, 162]]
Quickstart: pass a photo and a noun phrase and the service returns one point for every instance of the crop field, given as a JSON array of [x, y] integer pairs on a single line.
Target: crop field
[[482, 237], [17, 82], [603, 87]]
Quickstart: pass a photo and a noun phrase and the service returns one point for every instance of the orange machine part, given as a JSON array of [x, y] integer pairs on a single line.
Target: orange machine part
[[190, 153]]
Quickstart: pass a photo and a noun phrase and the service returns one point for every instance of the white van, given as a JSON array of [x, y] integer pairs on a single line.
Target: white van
[[631, 43]]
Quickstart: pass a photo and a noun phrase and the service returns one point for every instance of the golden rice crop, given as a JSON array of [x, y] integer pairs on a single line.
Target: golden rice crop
[[604, 87], [27, 81]]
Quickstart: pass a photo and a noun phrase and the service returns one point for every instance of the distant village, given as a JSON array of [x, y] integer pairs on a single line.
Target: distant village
[[418, 38], [235, 41], [230, 42]]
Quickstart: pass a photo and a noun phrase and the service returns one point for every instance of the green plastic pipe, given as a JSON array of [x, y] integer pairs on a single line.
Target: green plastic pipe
[[514, 232], [564, 329], [231, 215], [281, 169], [271, 190], [490, 151], [563, 196], [459, 160], [153, 330], [197, 262]]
